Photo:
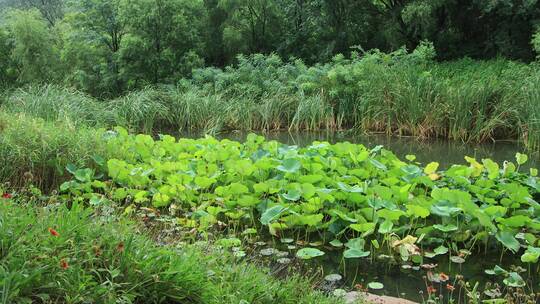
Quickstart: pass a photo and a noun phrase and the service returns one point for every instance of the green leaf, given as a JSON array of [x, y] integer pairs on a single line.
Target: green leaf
[[492, 168], [446, 228], [531, 255], [375, 285], [386, 227], [514, 280], [508, 240], [521, 158], [364, 227], [160, 200], [336, 243], [292, 195], [289, 165], [431, 168], [353, 253], [309, 253], [271, 214], [417, 211]]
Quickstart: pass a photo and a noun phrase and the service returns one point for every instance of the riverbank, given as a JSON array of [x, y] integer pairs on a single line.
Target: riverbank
[[343, 203], [398, 94]]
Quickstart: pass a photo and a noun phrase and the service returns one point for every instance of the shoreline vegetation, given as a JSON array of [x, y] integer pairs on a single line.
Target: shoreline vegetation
[[101, 203], [76, 254], [400, 94], [344, 198]]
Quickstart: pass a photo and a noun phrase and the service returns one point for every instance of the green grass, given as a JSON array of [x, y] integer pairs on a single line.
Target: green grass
[[35, 151], [99, 259], [398, 93]]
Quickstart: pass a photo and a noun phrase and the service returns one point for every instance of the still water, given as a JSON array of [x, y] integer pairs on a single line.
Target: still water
[[443, 151]]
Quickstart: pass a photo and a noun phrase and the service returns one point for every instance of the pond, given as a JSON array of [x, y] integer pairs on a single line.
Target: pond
[[445, 152], [402, 279]]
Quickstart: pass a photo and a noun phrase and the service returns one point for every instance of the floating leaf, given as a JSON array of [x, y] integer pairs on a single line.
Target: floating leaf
[[309, 253], [375, 285]]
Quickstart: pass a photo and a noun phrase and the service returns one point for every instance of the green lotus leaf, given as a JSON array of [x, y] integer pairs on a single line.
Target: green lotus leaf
[[272, 214], [309, 253], [508, 239], [289, 165], [521, 158]]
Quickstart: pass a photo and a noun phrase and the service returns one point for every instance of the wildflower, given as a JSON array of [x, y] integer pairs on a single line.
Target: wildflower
[[120, 247], [64, 264], [443, 277], [53, 232], [7, 195], [450, 287], [431, 289]]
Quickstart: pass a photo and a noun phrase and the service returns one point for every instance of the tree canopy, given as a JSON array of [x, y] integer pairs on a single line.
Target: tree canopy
[[106, 47]]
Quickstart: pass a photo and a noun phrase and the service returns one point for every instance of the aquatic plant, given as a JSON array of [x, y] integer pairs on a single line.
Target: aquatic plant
[[344, 195]]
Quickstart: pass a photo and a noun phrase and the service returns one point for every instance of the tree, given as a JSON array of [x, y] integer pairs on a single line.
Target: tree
[[7, 73], [34, 53], [214, 45], [93, 36], [51, 10], [164, 35], [254, 26]]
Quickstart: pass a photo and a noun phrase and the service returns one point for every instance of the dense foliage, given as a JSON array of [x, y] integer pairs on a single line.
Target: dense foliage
[[75, 254], [106, 47], [398, 93], [344, 195]]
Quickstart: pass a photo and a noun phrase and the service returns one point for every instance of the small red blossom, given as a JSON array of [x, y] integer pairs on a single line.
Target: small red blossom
[[53, 232], [7, 195], [450, 287], [443, 277], [431, 289], [64, 264], [120, 247]]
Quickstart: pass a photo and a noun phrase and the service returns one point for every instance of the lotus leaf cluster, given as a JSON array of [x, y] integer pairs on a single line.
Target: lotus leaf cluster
[[345, 196]]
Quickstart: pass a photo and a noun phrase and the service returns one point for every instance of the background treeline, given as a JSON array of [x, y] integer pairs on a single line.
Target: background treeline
[[108, 47]]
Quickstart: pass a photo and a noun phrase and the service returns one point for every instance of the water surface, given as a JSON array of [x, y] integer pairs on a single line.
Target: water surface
[[446, 152]]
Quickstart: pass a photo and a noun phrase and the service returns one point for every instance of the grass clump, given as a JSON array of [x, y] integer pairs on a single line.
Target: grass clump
[[58, 254], [33, 150]]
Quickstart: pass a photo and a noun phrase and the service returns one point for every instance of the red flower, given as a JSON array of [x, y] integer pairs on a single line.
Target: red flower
[[450, 287], [120, 247], [431, 289], [7, 195], [53, 232], [64, 264], [443, 277]]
